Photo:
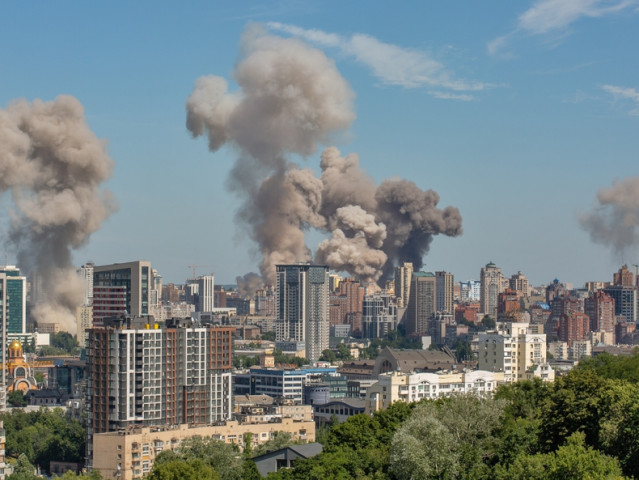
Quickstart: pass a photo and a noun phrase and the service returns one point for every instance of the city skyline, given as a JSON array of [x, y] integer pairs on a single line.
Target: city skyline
[[515, 117]]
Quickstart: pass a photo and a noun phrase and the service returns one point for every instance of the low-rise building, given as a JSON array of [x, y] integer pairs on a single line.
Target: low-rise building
[[129, 454], [339, 409], [278, 382], [412, 387]]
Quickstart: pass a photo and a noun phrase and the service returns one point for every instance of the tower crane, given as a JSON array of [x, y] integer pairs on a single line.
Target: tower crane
[[195, 267]]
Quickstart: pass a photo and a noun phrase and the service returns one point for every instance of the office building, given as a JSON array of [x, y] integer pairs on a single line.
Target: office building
[[144, 374], [492, 283], [302, 307], [403, 277], [278, 382], [444, 288], [136, 277], [422, 303]]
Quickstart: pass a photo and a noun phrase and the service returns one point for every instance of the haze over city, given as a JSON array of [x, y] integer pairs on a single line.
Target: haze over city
[[517, 119]]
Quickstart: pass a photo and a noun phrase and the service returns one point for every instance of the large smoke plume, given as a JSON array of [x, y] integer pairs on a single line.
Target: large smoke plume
[[291, 98], [615, 221], [53, 166]]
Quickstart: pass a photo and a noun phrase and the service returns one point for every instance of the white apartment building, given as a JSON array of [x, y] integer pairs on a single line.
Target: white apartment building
[[512, 349], [394, 387]]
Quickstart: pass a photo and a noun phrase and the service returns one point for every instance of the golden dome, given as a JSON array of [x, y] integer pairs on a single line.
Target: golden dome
[[15, 345]]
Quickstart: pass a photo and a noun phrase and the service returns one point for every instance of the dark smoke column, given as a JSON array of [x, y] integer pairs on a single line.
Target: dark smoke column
[[53, 165]]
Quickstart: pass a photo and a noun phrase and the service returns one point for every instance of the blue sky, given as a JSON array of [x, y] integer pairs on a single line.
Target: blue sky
[[516, 113]]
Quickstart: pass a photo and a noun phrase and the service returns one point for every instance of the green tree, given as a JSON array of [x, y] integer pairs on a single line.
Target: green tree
[[575, 404], [65, 342], [279, 440], [16, 399], [23, 470], [328, 355], [444, 438], [69, 475], [270, 336], [609, 366], [463, 350], [43, 436], [190, 469], [572, 461], [250, 471], [343, 352], [223, 458], [488, 322]]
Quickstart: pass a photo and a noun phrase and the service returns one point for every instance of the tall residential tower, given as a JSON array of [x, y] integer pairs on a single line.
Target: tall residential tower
[[302, 307]]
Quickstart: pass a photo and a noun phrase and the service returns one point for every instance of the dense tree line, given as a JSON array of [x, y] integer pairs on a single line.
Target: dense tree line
[[584, 425], [42, 436]]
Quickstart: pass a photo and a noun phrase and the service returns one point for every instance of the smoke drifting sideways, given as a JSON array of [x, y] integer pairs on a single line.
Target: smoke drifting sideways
[[614, 222], [53, 165], [292, 98]]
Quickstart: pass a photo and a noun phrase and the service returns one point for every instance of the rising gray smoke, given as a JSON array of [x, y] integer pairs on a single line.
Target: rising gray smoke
[[53, 166], [249, 284], [615, 221], [291, 99]]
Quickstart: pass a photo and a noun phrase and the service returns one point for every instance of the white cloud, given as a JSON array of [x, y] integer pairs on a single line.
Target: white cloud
[[391, 64], [625, 93], [552, 16]]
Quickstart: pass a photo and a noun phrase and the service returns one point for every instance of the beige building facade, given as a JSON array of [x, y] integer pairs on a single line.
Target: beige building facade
[[129, 454], [513, 350]]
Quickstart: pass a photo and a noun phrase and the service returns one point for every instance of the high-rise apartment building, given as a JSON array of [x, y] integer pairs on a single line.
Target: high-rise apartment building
[[379, 315], [144, 374], [600, 308], [14, 299], [624, 277], [108, 301], [512, 349], [346, 305], [470, 291], [302, 307], [206, 294], [422, 303], [492, 283], [444, 288], [625, 298], [85, 272], [403, 277], [519, 283], [136, 277], [573, 327]]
